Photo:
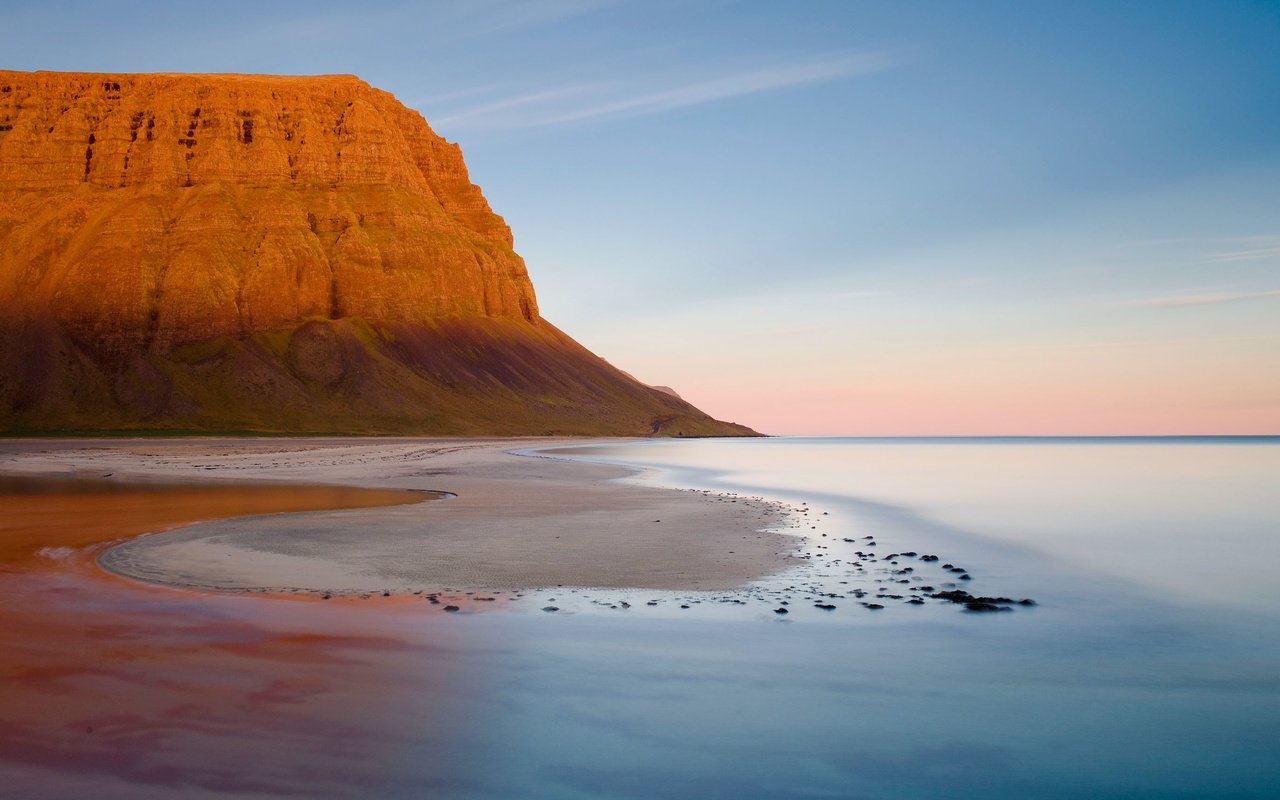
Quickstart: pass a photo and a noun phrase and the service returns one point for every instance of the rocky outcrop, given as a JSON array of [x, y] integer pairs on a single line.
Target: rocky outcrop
[[242, 252]]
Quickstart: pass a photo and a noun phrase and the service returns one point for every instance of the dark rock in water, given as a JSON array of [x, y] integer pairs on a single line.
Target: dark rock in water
[[684, 606], [452, 608], [915, 601], [872, 606], [544, 608], [928, 558], [973, 603], [980, 605], [1026, 601], [909, 553], [781, 611], [966, 577], [386, 594], [824, 606]]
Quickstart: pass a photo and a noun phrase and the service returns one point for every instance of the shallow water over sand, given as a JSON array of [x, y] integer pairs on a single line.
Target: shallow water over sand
[[110, 688], [1197, 518], [1149, 669]]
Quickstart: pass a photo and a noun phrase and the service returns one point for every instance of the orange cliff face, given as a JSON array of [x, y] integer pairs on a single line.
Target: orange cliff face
[[246, 252], [150, 210]]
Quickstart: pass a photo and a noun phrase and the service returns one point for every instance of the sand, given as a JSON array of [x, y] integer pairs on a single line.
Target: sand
[[512, 522]]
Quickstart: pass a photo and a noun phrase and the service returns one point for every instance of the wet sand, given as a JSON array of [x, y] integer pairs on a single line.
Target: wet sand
[[115, 688], [52, 522], [513, 522]]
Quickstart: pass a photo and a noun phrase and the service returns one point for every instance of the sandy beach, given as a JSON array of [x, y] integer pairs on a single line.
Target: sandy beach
[[108, 679], [492, 521]]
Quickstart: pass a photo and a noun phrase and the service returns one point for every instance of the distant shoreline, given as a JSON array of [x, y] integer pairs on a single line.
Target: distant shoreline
[[516, 522]]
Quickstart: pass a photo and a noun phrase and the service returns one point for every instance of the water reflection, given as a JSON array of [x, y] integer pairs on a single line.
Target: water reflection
[[1114, 688], [1198, 519], [115, 689]]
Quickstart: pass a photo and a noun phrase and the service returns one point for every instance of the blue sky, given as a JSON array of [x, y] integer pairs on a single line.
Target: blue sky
[[897, 217]]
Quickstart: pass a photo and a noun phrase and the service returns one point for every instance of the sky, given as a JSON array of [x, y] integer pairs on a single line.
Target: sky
[[879, 218]]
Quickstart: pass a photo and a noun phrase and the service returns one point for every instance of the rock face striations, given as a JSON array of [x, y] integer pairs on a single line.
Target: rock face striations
[[262, 253]]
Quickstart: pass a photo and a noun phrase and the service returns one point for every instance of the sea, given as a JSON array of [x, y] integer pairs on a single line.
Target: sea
[[1147, 664], [1148, 668]]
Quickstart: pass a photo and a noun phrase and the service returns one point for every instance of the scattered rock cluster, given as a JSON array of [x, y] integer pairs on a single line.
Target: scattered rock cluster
[[842, 569]]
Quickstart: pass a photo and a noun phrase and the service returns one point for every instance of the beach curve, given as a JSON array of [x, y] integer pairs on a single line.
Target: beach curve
[[514, 523]]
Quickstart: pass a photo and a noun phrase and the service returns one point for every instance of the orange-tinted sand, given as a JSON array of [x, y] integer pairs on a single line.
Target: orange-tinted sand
[[114, 689], [516, 523], [44, 515]]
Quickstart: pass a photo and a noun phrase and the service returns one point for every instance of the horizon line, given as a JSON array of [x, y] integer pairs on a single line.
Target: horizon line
[[1023, 436]]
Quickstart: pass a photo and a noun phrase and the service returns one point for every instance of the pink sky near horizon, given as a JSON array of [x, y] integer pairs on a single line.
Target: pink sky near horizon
[[814, 401], [838, 218], [944, 408], [961, 365], [817, 414]]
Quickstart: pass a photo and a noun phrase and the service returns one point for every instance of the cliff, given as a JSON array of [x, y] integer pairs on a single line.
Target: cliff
[[266, 253]]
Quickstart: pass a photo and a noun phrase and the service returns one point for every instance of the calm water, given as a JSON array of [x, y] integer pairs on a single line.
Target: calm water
[[1149, 669]]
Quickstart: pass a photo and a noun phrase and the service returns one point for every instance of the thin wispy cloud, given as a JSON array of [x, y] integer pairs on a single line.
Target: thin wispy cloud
[[429, 101], [1258, 240], [1220, 248], [515, 103], [753, 82], [1182, 301], [1254, 254], [548, 107]]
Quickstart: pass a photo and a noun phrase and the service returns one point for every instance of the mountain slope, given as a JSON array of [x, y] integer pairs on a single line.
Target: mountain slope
[[266, 253]]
